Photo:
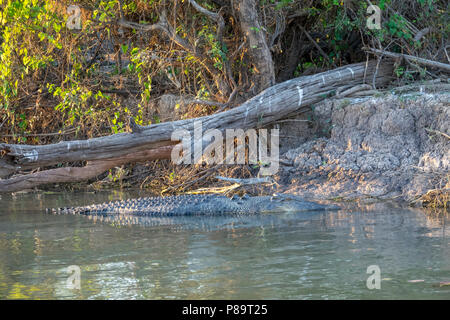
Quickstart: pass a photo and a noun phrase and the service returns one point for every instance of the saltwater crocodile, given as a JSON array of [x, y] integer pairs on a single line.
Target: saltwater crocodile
[[198, 205]]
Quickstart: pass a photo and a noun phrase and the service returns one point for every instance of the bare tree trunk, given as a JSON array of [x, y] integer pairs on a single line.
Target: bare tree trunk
[[260, 55], [75, 174]]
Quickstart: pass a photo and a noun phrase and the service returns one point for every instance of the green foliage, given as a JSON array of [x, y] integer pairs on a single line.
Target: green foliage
[[106, 11], [340, 18], [282, 4], [37, 50], [217, 51], [25, 20]]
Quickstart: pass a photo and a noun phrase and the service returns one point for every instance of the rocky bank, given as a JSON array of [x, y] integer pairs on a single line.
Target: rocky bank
[[387, 147]]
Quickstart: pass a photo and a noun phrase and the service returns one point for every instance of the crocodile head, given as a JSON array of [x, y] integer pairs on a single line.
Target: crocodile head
[[290, 203]]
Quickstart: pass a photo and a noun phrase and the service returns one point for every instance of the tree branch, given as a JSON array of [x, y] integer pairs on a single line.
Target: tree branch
[[75, 174], [425, 62]]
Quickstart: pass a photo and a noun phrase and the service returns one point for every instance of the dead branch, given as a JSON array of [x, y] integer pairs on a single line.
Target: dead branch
[[76, 174], [425, 62], [326, 57], [213, 16], [164, 27], [353, 90], [249, 181], [438, 132]]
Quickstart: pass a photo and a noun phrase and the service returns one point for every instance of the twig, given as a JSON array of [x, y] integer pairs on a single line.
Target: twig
[[280, 26], [39, 134], [164, 27], [212, 15], [237, 50], [237, 184], [219, 190], [1, 125], [438, 132], [365, 93], [227, 104], [135, 128], [353, 90], [446, 53], [249, 181], [217, 17], [205, 102], [426, 62], [293, 120], [422, 33], [97, 51], [434, 85], [317, 46], [206, 174]]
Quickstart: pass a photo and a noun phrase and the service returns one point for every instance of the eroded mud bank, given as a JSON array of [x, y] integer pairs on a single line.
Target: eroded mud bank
[[388, 147]]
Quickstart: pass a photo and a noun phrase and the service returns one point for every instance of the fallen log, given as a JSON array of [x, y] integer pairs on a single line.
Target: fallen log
[[76, 174], [274, 103]]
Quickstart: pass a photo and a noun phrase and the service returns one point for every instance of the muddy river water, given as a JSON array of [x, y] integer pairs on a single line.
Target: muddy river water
[[363, 252]]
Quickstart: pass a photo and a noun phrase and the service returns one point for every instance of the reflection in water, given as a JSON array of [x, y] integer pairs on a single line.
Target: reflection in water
[[283, 256]]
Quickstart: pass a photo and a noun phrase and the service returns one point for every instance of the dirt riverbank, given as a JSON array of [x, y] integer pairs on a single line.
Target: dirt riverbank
[[388, 147]]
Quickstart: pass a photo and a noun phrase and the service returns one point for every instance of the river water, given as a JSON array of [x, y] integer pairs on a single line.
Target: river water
[[284, 256]]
